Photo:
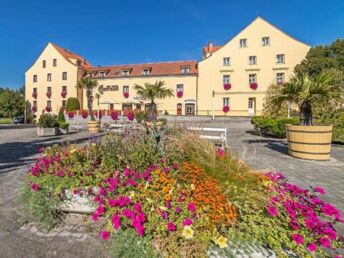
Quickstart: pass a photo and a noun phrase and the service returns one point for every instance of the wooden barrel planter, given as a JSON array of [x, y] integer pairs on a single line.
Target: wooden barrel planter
[[93, 127], [309, 142]]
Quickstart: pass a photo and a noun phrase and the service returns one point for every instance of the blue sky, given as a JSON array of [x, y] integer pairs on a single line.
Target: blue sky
[[118, 32]]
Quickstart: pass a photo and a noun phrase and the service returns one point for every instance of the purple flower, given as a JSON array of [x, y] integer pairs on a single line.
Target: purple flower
[[40, 149], [175, 166], [297, 238], [140, 230], [126, 172], [293, 224], [164, 215], [178, 209], [187, 222], [312, 247], [319, 190], [168, 204], [325, 242], [191, 207], [102, 191], [104, 234], [171, 226], [166, 169], [272, 211], [34, 187]]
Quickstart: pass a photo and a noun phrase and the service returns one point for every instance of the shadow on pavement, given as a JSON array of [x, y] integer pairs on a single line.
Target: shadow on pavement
[[276, 145]]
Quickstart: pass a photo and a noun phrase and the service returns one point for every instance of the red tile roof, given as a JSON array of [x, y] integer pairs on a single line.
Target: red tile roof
[[83, 63], [210, 50], [156, 69]]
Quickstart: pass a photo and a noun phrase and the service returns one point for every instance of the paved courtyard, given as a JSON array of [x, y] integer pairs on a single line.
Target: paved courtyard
[[18, 148]]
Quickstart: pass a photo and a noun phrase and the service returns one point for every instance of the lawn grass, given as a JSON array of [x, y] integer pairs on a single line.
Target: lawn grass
[[5, 121]]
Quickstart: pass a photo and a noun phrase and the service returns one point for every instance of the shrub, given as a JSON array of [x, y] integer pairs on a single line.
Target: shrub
[[72, 104], [61, 117], [142, 115], [64, 125], [163, 120], [272, 127], [47, 121]]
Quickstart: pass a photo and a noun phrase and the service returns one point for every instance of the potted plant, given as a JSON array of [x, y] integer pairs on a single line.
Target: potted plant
[[306, 140], [63, 126], [89, 84], [152, 92], [47, 125]]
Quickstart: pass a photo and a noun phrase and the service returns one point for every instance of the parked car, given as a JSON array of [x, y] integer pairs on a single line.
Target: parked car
[[18, 120]]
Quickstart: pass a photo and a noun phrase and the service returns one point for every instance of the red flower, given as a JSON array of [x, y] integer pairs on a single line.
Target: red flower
[[171, 226], [126, 94], [104, 234], [49, 95], [226, 109], [131, 116], [34, 95], [114, 115], [48, 109], [297, 238], [180, 94], [34, 109], [227, 86], [253, 85], [63, 94], [84, 114], [70, 114]]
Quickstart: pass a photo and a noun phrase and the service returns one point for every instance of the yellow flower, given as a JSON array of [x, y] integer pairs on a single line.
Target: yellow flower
[[221, 242], [192, 187], [267, 183], [188, 232], [72, 151], [93, 144]]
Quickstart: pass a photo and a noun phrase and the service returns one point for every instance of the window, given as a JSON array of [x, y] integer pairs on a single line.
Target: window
[[180, 87], [49, 77], [265, 41], [252, 60], [250, 103], [64, 88], [125, 89], [35, 90], [146, 72], [35, 78], [280, 58], [34, 103], [185, 69], [49, 90], [102, 74], [49, 103], [252, 78], [226, 61], [64, 76], [44, 63], [64, 103], [125, 73], [54, 62], [226, 79], [279, 78], [243, 42], [226, 102]]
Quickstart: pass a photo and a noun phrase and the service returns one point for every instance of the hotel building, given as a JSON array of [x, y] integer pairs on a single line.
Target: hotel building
[[231, 79]]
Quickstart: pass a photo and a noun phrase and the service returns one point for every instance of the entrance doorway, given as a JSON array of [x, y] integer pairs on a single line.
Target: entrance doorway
[[251, 106], [190, 109], [179, 109]]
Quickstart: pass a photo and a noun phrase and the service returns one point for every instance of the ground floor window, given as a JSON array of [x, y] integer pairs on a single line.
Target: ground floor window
[[226, 102], [64, 103], [179, 109], [127, 106], [250, 103], [189, 109]]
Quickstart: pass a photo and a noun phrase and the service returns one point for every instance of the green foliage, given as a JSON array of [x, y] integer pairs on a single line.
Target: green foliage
[[272, 127], [142, 115], [154, 91], [88, 83], [40, 206], [12, 103], [72, 104], [61, 118], [126, 244], [163, 120], [64, 125], [47, 121]]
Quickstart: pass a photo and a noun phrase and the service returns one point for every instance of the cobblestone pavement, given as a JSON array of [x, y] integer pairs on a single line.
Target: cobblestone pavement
[[75, 238]]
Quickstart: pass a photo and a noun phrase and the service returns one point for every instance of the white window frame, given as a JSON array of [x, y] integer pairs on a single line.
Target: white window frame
[[49, 77], [35, 78], [101, 74], [226, 61], [252, 78], [226, 102], [250, 103], [44, 63], [145, 72], [54, 62], [243, 43], [265, 41], [280, 58], [125, 88], [125, 73], [280, 78], [180, 87], [185, 69], [64, 76], [49, 103], [252, 60], [226, 78]]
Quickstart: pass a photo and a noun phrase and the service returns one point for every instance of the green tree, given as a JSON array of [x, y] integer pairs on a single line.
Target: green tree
[[88, 84], [72, 104], [306, 91], [12, 103], [151, 92]]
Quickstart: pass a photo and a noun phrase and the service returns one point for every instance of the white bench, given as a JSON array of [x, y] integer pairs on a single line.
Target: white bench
[[222, 138], [117, 128], [77, 127]]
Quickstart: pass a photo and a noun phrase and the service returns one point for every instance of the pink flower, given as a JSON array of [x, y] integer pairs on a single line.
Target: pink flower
[[126, 213], [34, 187], [294, 225], [297, 238], [140, 230], [95, 216], [312, 247], [104, 234], [100, 210], [325, 242], [187, 222], [329, 210], [166, 169], [171, 226], [191, 207], [113, 202], [332, 234], [220, 153], [319, 190], [164, 215], [175, 166], [272, 211], [116, 221], [59, 173], [40, 150], [137, 207], [178, 209], [168, 204]]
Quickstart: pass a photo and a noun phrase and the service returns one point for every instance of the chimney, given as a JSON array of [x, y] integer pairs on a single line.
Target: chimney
[[210, 47]]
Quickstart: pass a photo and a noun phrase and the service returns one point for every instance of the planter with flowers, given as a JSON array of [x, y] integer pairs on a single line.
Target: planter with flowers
[[180, 94], [227, 86], [126, 95], [47, 125], [226, 109], [253, 85], [47, 109], [48, 95], [63, 94], [34, 95], [34, 109]]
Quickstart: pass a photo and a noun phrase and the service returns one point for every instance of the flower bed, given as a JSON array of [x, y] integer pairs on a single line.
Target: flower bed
[[178, 199]]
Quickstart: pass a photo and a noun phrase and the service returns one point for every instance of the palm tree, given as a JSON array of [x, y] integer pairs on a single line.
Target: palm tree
[[151, 92], [306, 91], [97, 96], [88, 84]]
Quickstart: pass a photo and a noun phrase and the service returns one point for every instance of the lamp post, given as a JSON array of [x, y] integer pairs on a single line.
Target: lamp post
[[213, 105]]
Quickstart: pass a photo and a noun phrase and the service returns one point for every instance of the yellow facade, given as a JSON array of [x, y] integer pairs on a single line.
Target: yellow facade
[[257, 59]]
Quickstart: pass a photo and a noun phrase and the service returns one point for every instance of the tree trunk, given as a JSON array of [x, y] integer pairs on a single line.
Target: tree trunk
[[306, 113], [89, 105], [153, 111]]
